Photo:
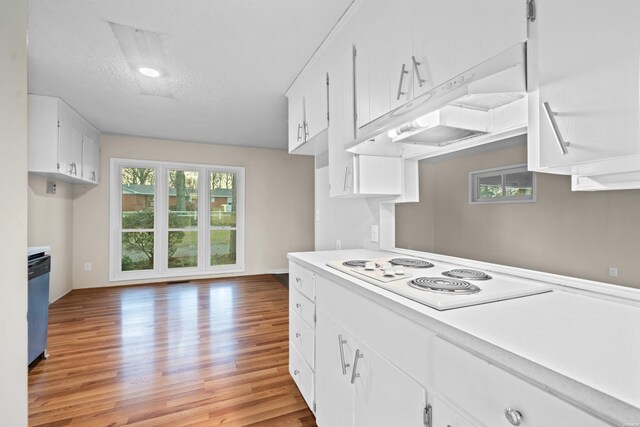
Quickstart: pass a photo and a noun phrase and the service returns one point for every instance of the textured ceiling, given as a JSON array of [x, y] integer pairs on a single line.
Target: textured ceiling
[[228, 64]]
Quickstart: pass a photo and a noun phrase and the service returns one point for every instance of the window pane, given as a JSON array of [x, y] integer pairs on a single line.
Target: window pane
[[183, 249], [183, 199], [138, 190], [137, 251], [223, 247], [519, 184], [222, 199], [490, 187]]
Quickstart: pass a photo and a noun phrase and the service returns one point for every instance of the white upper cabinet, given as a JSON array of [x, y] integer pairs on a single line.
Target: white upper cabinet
[[584, 78], [406, 48], [349, 174], [308, 108], [90, 159], [69, 150], [373, 43], [62, 144], [296, 117]]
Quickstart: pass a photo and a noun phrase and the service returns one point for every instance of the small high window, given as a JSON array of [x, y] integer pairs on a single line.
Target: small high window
[[509, 184]]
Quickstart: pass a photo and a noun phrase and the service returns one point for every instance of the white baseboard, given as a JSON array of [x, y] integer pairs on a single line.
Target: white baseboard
[[51, 302], [278, 271]]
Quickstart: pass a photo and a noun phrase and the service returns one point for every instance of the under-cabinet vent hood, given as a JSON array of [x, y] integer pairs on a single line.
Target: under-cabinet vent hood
[[484, 104]]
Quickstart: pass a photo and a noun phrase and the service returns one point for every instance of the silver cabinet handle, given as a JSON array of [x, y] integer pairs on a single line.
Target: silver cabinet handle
[[355, 375], [306, 130], [341, 342], [298, 280], [551, 116], [298, 305], [416, 66], [354, 94], [93, 175], [297, 334], [346, 175], [296, 372], [299, 129], [403, 71], [513, 416]]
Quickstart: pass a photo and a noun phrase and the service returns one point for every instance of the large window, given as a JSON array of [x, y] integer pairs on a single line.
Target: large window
[[172, 219]]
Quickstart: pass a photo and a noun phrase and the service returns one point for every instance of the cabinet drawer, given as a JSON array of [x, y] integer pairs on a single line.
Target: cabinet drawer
[[486, 391], [303, 280], [302, 307], [303, 337], [302, 375]]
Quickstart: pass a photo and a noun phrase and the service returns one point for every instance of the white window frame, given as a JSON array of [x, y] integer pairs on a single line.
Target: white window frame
[[160, 269], [474, 177]]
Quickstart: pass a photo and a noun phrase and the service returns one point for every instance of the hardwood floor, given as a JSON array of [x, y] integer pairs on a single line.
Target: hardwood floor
[[200, 353]]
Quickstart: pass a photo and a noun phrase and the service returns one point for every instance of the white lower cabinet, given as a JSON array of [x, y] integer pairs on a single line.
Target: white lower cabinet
[[363, 364], [445, 415], [302, 374], [334, 394], [356, 386]]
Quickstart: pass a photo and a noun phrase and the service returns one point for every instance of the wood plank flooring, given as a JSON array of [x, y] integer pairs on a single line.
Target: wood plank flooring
[[201, 353]]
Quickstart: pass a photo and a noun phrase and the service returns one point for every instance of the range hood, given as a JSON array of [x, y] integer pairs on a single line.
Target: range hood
[[484, 104]]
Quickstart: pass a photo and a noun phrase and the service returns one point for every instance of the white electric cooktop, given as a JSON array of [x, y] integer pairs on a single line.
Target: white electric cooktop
[[437, 284]]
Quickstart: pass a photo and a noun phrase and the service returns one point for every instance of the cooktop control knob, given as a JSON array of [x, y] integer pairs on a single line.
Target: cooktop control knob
[[513, 416]]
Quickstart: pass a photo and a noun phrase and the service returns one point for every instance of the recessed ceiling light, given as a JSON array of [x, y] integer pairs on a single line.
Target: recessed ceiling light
[[149, 72]]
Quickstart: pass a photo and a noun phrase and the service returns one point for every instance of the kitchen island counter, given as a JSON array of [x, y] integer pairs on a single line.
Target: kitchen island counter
[[583, 349]]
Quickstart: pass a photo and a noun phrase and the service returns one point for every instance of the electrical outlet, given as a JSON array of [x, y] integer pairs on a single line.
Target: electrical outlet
[[338, 245], [87, 266], [51, 187], [375, 233], [613, 271]]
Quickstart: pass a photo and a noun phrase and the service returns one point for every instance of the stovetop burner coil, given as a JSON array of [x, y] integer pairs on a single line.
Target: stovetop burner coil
[[467, 274], [411, 263], [444, 286]]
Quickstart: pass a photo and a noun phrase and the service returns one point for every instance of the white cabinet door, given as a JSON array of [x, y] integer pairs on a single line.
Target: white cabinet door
[[373, 43], [90, 159], [296, 131], [400, 56], [379, 175], [583, 62], [342, 127], [315, 104], [445, 415], [69, 149], [384, 395], [334, 355], [449, 37]]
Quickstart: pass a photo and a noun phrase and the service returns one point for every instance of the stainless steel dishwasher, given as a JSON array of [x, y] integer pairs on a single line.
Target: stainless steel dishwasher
[[38, 307]]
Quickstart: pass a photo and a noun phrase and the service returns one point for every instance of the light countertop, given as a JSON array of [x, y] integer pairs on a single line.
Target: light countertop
[[583, 349], [32, 250]]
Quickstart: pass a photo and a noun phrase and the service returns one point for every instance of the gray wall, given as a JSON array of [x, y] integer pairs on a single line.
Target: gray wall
[[579, 234]]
